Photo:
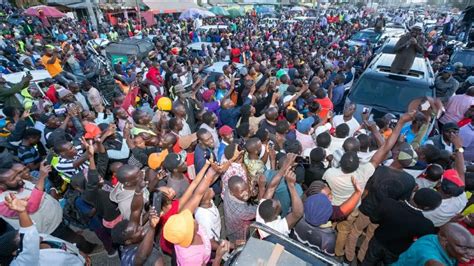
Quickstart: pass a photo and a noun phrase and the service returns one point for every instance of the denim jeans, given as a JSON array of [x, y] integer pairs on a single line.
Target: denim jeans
[[65, 78]]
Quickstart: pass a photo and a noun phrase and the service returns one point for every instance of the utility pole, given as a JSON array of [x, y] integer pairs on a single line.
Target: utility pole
[[91, 13]]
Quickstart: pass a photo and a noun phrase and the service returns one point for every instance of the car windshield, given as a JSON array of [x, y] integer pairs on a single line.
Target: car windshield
[[373, 37], [465, 57], [392, 95]]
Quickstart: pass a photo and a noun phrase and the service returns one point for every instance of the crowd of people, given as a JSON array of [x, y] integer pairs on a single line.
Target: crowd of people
[[172, 171]]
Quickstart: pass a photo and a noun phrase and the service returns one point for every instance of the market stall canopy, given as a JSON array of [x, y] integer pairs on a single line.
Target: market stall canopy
[[219, 11], [193, 13], [48, 11], [169, 6], [149, 18], [236, 12]]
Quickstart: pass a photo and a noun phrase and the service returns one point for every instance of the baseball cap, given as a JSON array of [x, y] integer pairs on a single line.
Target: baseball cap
[[155, 160], [164, 104], [453, 176], [407, 156], [317, 209], [173, 160], [179, 89], [186, 141], [179, 229], [92, 131], [450, 126], [448, 69], [305, 125], [225, 131]]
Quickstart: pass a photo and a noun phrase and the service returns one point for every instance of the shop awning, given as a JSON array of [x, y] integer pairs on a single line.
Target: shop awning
[[169, 6]]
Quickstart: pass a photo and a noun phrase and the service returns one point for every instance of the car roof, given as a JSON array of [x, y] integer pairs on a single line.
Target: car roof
[[208, 27], [198, 45], [217, 67], [38, 75], [419, 70]]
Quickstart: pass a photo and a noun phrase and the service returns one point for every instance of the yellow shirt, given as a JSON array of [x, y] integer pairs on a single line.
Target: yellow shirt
[[53, 69]]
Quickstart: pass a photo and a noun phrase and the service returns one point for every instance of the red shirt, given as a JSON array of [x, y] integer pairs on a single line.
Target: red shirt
[[326, 106], [154, 76], [51, 94], [166, 246], [235, 54]]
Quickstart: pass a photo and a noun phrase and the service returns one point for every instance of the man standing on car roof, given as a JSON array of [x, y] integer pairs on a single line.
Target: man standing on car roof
[[406, 49]]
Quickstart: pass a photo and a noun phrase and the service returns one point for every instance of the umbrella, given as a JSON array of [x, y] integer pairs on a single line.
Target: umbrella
[[193, 13], [219, 11], [298, 9], [233, 13], [48, 11]]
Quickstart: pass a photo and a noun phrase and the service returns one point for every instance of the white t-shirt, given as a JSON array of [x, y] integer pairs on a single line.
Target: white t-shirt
[[447, 210], [336, 144], [210, 220], [341, 183], [353, 124], [279, 224]]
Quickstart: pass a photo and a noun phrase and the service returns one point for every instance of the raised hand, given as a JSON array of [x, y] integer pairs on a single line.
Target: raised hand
[[16, 204], [154, 217], [223, 248], [45, 169], [290, 177]]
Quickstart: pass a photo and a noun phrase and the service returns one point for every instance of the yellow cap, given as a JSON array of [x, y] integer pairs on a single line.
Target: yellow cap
[[179, 229], [164, 104]]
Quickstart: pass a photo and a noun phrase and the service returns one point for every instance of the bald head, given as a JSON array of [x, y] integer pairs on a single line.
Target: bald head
[[271, 114], [168, 140], [457, 241], [470, 91]]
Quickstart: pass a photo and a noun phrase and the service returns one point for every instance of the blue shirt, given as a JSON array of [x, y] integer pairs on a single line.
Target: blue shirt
[[337, 94], [282, 193], [410, 135], [200, 155], [220, 151], [423, 250]]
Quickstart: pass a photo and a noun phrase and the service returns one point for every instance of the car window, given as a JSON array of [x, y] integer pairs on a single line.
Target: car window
[[394, 95], [466, 58], [362, 36]]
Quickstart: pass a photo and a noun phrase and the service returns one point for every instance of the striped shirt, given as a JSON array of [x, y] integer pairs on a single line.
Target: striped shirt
[[28, 154], [66, 168]]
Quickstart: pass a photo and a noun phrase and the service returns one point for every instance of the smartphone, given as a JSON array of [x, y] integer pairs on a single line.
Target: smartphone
[[60, 111], [157, 196]]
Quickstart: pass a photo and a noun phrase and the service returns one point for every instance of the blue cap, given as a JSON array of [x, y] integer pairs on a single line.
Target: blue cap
[[317, 209], [305, 125], [448, 69]]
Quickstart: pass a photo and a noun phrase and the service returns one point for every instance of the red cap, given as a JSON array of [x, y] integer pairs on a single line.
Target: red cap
[[92, 131], [453, 176], [225, 131]]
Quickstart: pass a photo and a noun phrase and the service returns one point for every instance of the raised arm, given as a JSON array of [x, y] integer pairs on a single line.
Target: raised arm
[[199, 192], [296, 203], [285, 169], [146, 246], [459, 156], [382, 152], [188, 193], [30, 251]]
